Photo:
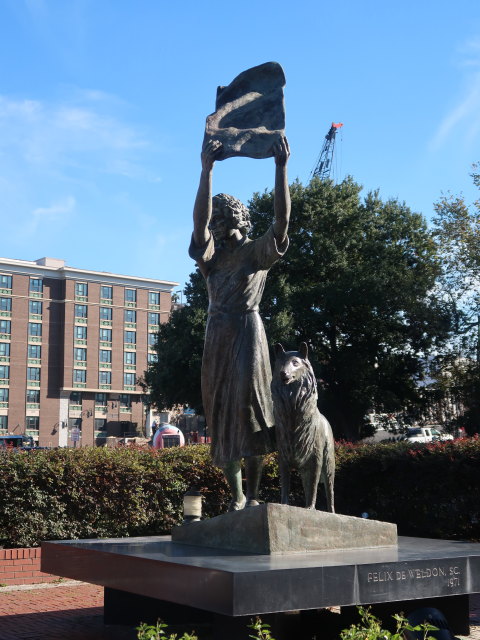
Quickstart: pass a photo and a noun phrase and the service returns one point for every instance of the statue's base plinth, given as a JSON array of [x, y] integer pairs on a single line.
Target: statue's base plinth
[[276, 528]]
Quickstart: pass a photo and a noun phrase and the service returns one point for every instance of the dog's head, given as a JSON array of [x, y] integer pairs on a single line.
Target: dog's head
[[290, 365]]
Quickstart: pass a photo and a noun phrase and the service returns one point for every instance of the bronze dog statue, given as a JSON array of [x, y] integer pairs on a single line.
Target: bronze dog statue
[[304, 436]]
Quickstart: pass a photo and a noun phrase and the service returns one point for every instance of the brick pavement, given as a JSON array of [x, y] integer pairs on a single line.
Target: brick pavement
[[74, 610]]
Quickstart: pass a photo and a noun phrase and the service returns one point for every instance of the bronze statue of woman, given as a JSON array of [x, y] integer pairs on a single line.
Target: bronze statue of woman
[[236, 370]]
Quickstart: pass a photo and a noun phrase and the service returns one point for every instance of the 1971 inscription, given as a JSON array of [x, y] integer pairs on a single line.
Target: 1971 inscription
[[450, 574]]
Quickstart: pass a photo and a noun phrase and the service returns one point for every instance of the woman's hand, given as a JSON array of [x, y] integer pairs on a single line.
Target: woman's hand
[[281, 152], [210, 153]]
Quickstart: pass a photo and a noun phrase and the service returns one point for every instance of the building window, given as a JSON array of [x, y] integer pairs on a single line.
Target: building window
[[104, 355], [130, 295], [5, 304], [75, 397], [34, 329], [4, 349], [3, 394], [79, 375], [80, 311], [36, 285], [152, 357], [130, 337], [105, 313], [75, 422], [128, 379], [34, 351], [32, 423], [129, 357], [35, 307], [5, 282], [5, 326], [106, 335], [33, 396], [4, 372], [3, 423], [81, 289], [101, 399], [80, 333], [100, 424], [153, 318], [154, 297], [152, 338], [105, 377], [33, 373], [125, 400], [130, 315], [106, 292], [80, 354]]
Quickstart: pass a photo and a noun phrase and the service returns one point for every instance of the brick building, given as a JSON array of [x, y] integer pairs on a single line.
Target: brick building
[[72, 344]]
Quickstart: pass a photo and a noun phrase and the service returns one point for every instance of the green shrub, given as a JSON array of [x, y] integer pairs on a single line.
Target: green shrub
[[159, 632], [428, 490], [97, 492], [370, 628]]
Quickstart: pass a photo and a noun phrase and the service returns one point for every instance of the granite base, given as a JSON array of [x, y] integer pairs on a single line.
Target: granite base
[[237, 584], [277, 528]]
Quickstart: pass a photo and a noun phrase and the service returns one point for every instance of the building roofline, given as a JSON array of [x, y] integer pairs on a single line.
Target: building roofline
[[67, 272]]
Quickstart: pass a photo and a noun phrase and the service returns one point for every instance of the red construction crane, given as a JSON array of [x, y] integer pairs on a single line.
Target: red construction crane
[[325, 160]]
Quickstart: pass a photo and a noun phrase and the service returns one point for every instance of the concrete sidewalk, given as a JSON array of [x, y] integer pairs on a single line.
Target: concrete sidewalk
[[74, 610]]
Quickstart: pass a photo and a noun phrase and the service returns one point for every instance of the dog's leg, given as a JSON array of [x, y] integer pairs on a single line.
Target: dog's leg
[[328, 475], [284, 470], [310, 478]]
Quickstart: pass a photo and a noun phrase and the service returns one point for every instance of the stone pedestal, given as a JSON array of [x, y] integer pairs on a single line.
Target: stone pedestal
[[177, 580], [276, 528]]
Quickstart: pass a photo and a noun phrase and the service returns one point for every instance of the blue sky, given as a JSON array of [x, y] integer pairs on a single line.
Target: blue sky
[[103, 105]]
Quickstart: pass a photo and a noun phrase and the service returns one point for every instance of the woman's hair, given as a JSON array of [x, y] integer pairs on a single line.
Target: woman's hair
[[233, 211]]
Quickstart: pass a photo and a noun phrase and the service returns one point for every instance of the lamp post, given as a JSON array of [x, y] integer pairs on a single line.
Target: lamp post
[[192, 506]]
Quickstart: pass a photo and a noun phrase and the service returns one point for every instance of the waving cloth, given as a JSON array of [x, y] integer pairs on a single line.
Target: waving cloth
[[250, 113]]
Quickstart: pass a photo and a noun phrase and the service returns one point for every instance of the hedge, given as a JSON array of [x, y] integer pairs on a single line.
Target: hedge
[[428, 490]]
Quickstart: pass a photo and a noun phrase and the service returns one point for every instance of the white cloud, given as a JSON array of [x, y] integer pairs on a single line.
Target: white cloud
[[58, 212], [52, 135], [463, 119], [54, 154], [57, 209], [470, 53], [465, 114]]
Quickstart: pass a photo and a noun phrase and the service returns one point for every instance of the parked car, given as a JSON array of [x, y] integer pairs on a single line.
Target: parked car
[[426, 434], [16, 442]]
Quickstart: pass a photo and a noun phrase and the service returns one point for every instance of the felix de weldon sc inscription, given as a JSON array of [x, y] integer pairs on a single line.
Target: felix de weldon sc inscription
[[435, 578]]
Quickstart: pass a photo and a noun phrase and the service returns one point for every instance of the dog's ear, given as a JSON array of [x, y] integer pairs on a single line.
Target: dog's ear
[[303, 350], [278, 349]]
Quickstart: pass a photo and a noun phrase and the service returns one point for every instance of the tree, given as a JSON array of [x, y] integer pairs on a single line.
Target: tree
[[355, 284], [457, 234], [174, 379]]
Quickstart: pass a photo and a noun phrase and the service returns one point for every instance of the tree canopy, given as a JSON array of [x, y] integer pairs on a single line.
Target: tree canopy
[[456, 229], [174, 379], [357, 284]]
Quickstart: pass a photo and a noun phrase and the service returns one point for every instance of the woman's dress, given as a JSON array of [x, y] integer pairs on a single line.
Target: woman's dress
[[236, 372]]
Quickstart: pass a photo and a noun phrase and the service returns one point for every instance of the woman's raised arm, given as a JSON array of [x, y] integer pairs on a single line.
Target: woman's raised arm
[[281, 199], [202, 210]]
